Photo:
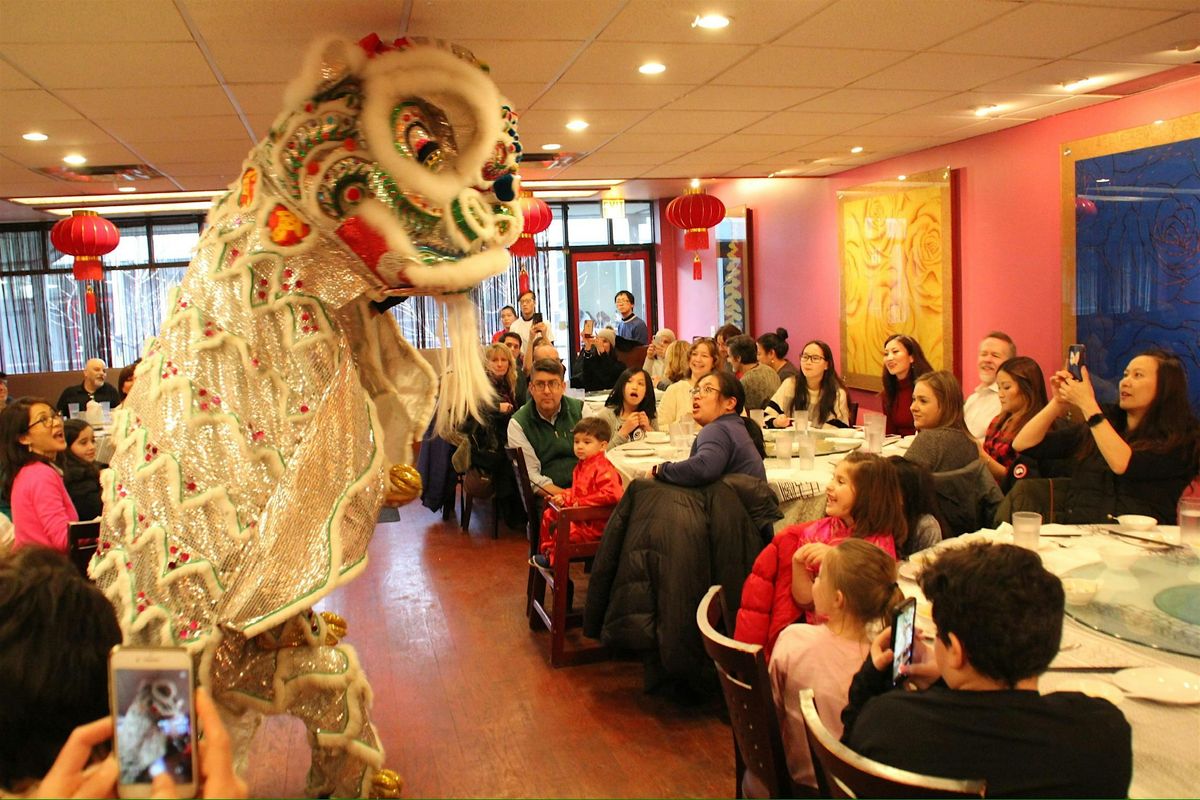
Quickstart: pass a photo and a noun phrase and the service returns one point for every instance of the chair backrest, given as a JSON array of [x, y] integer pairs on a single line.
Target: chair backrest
[[968, 497], [841, 772], [529, 501], [82, 540], [742, 670]]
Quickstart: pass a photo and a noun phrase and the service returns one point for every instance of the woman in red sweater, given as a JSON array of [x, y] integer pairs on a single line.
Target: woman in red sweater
[[903, 362], [862, 501], [31, 437]]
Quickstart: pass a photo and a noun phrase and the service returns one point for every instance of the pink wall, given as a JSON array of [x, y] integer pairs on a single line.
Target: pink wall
[[1009, 234]]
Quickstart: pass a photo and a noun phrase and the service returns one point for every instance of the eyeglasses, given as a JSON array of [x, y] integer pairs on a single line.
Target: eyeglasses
[[545, 386], [812, 359], [48, 420], [699, 390]]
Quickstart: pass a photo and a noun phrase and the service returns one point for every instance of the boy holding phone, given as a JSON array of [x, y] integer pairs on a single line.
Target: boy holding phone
[[999, 616]]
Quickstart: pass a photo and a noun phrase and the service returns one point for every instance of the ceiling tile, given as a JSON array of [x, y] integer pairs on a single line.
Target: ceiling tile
[[807, 66], [751, 143], [569, 141], [749, 171], [289, 20], [872, 25], [914, 125], [654, 143], [171, 129], [180, 101], [259, 99], [671, 121], [205, 183], [131, 64], [268, 61], [1174, 5], [599, 121], [670, 171], [11, 79], [530, 20], [1154, 45], [31, 155], [111, 21], [586, 171], [194, 169], [963, 104], [521, 95], [604, 158], [231, 152], [744, 98], [584, 96], [1048, 78], [946, 72], [811, 123], [618, 62], [62, 132], [868, 101], [753, 21], [34, 108], [1035, 30]]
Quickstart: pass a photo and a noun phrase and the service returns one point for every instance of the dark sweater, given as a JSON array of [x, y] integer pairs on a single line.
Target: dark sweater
[[83, 485], [80, 397], [1023, 744], [722, 447], [1151, 484]]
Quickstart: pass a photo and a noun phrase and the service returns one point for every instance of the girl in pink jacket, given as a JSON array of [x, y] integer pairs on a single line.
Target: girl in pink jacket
[[31, 437], [862, 501]]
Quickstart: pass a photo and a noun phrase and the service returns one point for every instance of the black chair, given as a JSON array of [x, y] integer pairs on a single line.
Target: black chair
[[968, 497], [841, 772], [82, 540], [742, 670], [474, 485]]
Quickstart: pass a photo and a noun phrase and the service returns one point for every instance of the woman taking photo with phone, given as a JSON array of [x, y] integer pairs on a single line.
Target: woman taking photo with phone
[[823, 398], [1133, 458], [31, 435], [676, 404], [903, 363]]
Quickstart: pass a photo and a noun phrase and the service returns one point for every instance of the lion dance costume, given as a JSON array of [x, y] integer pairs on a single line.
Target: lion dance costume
[[253, 454]]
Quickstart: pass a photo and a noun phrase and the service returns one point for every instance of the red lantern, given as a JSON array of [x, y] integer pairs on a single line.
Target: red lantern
[[538, 217], [695, 212], [87, 236]]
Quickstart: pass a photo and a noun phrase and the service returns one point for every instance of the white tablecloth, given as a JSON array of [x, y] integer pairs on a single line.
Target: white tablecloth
[[1166, 738]]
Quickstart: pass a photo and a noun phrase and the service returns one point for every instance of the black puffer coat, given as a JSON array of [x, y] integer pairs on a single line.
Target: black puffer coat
[[662, 548]]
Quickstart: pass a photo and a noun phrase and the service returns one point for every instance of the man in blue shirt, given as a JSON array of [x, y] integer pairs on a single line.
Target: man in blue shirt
[[631, 326]]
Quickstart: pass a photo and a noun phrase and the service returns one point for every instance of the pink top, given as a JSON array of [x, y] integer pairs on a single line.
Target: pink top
[[811, 657], [41, 508], [832, 531]]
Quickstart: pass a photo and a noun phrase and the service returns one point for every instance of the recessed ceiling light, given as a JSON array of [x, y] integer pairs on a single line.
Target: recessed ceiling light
[[1071, 86], [695, 183], [552, 146], [901, 177], [652, 68], [856, 149], [34, 136], [576, 125], [710, 21], [74, 160], [1158, 122], [983, 111], [126, 189]]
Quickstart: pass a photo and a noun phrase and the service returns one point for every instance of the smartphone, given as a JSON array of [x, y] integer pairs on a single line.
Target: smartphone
[[589, 325], [1076, 359], [904, 630], [152, 696], [537, 317]]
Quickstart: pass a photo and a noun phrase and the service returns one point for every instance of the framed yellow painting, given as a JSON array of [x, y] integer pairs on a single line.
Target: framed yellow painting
[[896, 244]]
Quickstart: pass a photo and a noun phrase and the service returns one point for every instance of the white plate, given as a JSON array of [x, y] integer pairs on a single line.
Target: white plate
[[1161, 684], [1092, 687], [658, 437], [638, 452]]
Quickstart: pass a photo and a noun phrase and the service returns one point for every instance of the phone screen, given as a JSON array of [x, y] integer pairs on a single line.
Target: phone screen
[[1076, 359], [536, 318], [153, 710], [904, 628], [588, 327]]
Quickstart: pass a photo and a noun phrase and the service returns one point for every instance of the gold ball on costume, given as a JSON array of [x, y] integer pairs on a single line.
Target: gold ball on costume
[[386, 783], [404, 484]]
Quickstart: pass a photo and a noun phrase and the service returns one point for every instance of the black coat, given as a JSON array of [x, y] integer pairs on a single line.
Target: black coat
[[663, 547], [83, 485]]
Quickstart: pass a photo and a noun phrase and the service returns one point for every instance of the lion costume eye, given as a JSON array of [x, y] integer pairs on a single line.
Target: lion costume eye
[[423, 134]]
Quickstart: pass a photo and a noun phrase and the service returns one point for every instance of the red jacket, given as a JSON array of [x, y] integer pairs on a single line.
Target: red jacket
[[594, 482], [767, 605]]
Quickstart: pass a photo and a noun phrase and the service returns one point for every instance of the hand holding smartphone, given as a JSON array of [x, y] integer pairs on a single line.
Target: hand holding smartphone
[[589, 327], [904, 630], [152, 694], [536, 318], [1076, 360]]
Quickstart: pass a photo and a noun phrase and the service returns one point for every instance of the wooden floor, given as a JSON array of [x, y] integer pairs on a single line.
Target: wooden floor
[[466, 702]]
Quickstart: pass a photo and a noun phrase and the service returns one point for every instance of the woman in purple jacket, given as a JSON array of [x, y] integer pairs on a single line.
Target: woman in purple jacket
[[724, 445], [31, 437]]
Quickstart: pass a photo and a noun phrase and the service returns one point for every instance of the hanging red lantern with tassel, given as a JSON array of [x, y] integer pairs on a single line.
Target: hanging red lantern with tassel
[[695, 212], [538, 217], [87, 236]]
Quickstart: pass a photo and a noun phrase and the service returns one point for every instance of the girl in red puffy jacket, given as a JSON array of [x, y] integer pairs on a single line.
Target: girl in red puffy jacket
[[862, 501]]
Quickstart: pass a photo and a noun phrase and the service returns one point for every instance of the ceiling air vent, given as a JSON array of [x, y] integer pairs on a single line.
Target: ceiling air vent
[[101, 173]]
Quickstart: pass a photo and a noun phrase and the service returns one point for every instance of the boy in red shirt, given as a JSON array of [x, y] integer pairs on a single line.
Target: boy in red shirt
[[594, 482]]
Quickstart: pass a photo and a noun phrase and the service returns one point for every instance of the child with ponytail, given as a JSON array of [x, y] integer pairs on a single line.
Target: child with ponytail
[[855, 592]]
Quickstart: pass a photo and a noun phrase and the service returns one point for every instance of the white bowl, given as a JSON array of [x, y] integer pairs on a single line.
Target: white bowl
[[1137, 522], [658, 437], [1119, 557], [1080, 591]]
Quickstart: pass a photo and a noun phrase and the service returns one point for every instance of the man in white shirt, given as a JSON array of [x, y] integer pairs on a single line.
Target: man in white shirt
[[983, 404]]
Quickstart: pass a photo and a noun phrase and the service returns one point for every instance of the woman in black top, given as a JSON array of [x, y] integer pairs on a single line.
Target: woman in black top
[[81, 472], [1135, 458]]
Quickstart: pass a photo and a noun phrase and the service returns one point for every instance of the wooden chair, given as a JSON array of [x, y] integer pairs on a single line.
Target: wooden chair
[[841, 772], [742, 670], [556, 578], [470, 489], [82, 541]]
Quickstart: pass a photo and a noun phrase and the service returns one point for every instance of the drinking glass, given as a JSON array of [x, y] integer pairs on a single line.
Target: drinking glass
[[1189, 522], [874, 425], [1027, 526], [679, 437], [801, 424], [783, 449], [807, 452]]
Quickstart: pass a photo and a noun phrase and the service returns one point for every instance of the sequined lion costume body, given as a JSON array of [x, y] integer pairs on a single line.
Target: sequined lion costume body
[[252, 455]]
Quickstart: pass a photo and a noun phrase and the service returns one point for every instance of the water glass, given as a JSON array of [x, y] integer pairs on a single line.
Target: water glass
[[679, 437], [783, 449], [801, 424], [1027, 526], [874, 425], [1189, 522], [807, 452]]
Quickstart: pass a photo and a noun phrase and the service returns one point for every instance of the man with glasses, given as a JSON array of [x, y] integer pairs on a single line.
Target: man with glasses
[[92, 388], [543, 429], [631, 326]]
